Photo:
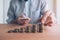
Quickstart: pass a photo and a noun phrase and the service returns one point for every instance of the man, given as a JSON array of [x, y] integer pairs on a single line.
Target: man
[[37, 10]]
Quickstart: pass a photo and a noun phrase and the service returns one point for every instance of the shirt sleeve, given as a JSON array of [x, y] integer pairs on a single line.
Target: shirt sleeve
[[44, 6], [11, 15]]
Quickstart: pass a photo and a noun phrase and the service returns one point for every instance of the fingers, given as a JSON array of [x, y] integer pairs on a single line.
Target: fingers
[[44, 17], [23, 21], [49, 24], [27, 21], [48, 19]]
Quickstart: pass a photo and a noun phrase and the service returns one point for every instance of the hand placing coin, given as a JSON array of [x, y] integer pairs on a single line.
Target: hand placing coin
[[48, 19], [22, 20]]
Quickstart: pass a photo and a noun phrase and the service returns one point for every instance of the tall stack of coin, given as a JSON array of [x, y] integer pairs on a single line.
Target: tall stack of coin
[[27, 29], [40, 27], [33, 29]]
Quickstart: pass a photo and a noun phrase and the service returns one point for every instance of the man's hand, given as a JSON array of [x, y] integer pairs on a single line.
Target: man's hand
[[48, 19], [22, 21]]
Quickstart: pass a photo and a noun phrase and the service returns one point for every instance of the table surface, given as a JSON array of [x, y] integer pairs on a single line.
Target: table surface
[[50, 33]]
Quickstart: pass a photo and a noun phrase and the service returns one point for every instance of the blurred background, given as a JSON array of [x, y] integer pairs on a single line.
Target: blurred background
[[53, 4]]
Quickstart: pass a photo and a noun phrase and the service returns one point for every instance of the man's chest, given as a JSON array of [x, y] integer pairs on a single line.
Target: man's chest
[[33, 5]]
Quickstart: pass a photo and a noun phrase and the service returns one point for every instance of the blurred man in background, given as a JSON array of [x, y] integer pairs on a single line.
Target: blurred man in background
[[36, 10]]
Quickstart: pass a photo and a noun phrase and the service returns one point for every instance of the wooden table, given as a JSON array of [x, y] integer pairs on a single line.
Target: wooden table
[[50, 33]]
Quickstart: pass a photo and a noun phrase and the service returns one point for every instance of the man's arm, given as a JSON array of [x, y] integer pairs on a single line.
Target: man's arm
[[50, 20], [13, 18], [47, 15], [11, 13]]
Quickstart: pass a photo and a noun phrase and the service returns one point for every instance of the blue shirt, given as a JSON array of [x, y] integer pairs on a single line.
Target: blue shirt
[[31, 8]]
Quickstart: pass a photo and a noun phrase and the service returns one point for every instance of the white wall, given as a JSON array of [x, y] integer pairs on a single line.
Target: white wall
[[5, 8], [1, 11], [50, 4], [58, 10]]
